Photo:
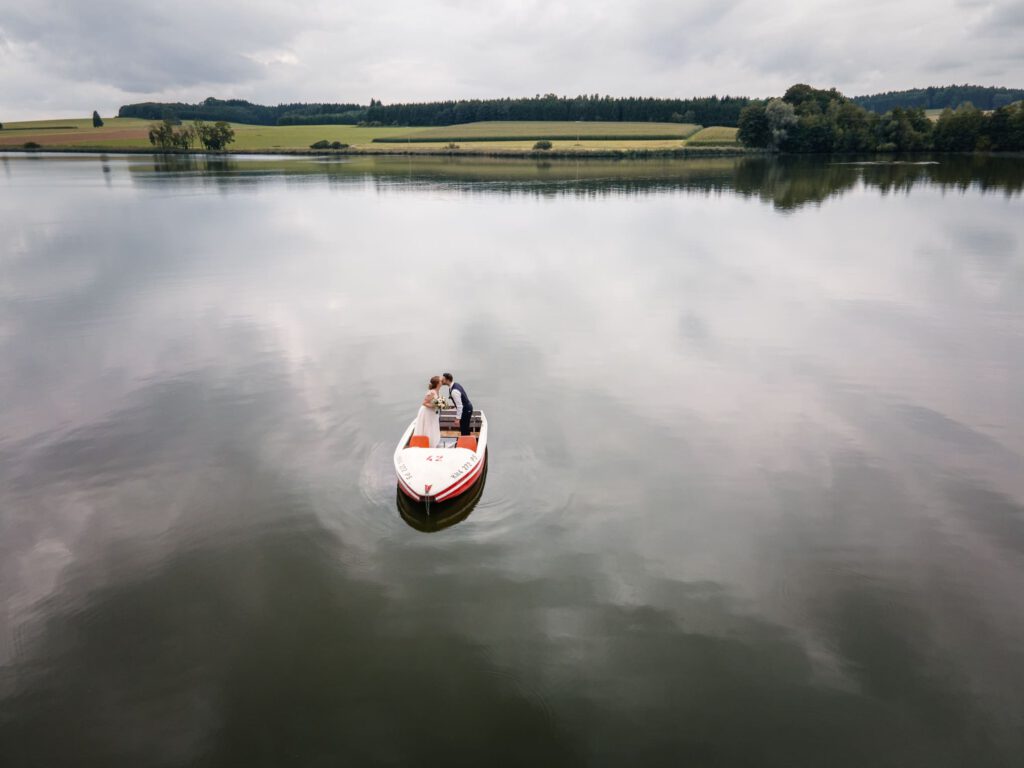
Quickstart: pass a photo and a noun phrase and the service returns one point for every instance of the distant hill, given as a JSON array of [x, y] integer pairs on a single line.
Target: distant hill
[[709, 110], [982, 96]]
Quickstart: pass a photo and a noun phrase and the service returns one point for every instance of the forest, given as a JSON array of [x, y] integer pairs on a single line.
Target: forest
[[241, 111], [942, 97], [806, 120]]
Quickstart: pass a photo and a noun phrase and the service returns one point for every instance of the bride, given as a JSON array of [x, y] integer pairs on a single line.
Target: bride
[[428, 420]]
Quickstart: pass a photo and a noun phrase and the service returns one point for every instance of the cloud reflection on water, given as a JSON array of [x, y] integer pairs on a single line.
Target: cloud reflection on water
[[753, 474]]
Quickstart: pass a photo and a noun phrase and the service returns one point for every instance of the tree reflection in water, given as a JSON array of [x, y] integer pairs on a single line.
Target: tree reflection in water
[[786, 182]]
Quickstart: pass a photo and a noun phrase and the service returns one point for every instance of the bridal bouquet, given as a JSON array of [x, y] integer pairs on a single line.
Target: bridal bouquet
[[440, 404]]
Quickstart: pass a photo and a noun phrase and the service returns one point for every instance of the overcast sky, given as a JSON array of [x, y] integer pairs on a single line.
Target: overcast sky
[[68, 57]]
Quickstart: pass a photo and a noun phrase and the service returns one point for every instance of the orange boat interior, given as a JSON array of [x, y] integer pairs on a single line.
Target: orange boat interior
[[450, 435]]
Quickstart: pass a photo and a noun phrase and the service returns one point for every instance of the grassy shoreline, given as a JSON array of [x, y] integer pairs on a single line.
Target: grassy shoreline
[[696, 151], [494, 138]]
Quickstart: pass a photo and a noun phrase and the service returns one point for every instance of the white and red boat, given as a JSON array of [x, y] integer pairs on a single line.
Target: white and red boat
[[434, 474]]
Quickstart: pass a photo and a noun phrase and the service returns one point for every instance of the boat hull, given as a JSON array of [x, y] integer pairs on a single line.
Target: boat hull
[[430, 475], [443, 514], [453, 491]]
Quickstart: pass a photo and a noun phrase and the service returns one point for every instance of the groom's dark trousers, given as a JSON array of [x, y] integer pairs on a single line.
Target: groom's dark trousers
[[467, 411]]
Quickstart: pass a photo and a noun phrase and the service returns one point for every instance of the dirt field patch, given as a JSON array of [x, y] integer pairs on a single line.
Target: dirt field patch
[[63, 138]]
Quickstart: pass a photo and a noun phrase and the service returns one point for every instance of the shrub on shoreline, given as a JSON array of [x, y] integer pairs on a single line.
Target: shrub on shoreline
[[326, 144]]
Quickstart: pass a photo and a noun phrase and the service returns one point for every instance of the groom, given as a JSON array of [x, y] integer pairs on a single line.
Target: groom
[[463, 407]]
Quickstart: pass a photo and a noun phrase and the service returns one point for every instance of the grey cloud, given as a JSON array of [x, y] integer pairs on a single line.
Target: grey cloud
[[1007, 15], [144, 48], [946, 61], [669, 32]]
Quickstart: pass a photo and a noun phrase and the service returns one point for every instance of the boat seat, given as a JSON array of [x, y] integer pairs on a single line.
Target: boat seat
[[467, 441], [419, 441]]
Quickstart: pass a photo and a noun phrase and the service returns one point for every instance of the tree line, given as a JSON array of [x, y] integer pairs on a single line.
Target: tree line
[[942, 97], [808, 119], [232, 111], [709, 110], [168, 135]]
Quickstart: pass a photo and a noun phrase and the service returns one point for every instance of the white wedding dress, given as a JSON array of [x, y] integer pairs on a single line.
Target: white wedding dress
[[428, 422]]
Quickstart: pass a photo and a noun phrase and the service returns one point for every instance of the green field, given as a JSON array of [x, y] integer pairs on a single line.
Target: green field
[[715, 136], [59, 124], [479, 138], [553, 130], [301, 136]]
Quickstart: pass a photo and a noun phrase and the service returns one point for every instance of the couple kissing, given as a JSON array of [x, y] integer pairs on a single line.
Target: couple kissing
[[428, 420]]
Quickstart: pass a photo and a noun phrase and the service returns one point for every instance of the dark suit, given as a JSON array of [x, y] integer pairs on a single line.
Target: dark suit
[[467, 410]]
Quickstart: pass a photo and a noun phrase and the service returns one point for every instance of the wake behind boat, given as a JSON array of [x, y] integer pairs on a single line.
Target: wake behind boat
[[427, 474]]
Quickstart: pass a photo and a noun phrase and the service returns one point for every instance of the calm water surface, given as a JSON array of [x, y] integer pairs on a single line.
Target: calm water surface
[[755, 491]]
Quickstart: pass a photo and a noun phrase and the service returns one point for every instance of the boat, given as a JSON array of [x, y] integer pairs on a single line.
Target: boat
[[430, 474], [443, 515]]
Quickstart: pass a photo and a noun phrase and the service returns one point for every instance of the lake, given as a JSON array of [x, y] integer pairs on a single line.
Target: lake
[[755, 491]]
